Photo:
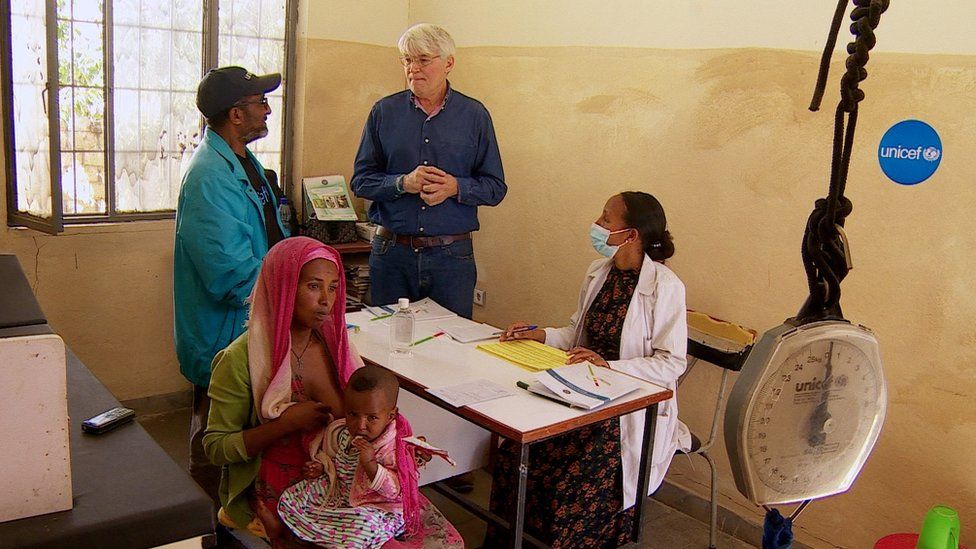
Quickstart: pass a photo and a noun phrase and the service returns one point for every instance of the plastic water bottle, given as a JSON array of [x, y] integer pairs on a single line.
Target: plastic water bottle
[[401, 328], [284, 210]]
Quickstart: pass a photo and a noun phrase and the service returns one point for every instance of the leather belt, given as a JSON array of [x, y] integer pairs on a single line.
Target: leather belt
[[421, 241]]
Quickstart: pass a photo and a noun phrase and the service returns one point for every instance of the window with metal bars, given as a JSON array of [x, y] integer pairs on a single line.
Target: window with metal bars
[[99, 99]]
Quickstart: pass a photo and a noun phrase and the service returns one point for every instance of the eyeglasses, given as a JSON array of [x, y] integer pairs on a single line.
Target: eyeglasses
[[262, 101], [421, 61]]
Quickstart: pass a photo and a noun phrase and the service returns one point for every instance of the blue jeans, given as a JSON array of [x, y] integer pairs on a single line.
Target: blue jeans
[[446, 274]]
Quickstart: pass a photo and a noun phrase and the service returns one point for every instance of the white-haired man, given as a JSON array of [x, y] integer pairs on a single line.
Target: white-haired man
[[427, 159]]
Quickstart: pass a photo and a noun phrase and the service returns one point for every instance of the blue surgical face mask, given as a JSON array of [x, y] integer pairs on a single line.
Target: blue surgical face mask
[[599, 236]]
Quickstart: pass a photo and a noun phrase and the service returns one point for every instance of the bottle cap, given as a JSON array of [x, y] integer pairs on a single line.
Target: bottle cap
[[283, 200], [403, 303]]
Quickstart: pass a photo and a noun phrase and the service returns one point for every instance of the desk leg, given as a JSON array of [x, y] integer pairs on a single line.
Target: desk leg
[[518, 524], [650, 422]]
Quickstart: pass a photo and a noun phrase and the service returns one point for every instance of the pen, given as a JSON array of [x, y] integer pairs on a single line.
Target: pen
[[387, 309], [595, 382], [428, 338], [517, 330], [352, 327], [381, 317]]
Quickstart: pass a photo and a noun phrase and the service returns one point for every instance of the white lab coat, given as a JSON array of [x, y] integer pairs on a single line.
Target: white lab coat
[[652, 347]]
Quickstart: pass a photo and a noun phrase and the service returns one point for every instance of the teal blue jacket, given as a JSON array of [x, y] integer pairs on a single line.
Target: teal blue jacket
[[220, 242]]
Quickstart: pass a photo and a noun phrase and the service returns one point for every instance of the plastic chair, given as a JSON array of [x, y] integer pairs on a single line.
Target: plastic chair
[[725, 345]]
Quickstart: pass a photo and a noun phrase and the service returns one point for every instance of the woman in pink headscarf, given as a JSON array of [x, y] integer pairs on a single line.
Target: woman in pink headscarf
[[279, 381]]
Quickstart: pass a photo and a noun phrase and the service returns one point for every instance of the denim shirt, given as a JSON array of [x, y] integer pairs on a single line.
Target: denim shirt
[[459, 139]]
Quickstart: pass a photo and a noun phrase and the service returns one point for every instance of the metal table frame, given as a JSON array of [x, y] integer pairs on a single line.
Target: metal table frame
[[525, 440]]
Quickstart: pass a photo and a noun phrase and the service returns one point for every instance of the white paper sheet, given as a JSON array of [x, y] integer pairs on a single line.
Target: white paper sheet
[[470, 392], [467, 331], [423, 310]]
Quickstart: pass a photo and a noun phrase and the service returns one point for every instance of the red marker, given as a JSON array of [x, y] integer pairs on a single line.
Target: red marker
[[428, 338]]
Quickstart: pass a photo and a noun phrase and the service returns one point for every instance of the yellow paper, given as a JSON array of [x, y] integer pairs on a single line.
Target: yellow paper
[[527, 353]]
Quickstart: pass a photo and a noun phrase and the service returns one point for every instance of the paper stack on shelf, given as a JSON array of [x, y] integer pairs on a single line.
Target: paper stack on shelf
[[357, 282], [353, 304]]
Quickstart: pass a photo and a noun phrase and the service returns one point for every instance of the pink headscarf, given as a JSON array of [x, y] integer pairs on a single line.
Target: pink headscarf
[[269, 325], [269, 342], [408, 475]]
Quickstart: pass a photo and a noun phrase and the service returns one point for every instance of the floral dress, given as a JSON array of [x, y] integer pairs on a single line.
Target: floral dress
[[319, 512], [574, 487]]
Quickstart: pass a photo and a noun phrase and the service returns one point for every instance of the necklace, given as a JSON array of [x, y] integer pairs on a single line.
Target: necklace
[[298, 357]]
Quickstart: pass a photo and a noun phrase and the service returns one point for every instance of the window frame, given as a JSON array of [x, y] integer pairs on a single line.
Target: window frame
[[210, 29], [15, 217]]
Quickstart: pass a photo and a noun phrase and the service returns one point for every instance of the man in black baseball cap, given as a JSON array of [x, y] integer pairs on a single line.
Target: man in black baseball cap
[[221, 88], [226, 219]]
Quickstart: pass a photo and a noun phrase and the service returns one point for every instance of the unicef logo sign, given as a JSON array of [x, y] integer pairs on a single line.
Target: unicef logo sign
[[910, 152]]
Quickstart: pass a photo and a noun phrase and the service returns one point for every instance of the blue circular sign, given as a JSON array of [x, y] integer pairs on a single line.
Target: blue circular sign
[[910, 152]]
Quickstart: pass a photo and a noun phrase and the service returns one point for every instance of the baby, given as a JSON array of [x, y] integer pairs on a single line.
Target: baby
[[360, 489]]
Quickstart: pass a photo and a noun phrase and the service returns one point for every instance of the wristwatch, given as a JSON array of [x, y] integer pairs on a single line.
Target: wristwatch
[[398, 184]]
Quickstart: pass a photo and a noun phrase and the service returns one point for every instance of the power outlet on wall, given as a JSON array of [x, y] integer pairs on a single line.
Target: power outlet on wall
[[479, 297]]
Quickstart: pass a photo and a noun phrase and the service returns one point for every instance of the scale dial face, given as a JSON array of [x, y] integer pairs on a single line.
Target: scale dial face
[[814, 414]]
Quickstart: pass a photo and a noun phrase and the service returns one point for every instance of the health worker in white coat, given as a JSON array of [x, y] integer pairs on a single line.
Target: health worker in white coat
[[630, 318]]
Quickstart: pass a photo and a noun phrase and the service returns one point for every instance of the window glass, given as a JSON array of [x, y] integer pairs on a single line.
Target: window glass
[[31, 138], [252, 35], [127, 74]]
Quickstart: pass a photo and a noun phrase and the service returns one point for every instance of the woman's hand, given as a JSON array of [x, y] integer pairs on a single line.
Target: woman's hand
[[516, 331], [582, 354], [306, 415]]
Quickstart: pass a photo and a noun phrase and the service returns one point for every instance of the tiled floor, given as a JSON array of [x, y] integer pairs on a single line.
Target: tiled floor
[[666, 527]]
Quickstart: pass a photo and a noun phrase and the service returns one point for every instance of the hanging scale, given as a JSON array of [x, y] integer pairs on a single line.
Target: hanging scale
[[810, 400]]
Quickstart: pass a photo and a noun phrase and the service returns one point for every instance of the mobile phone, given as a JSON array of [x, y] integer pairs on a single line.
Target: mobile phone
[[107, 420]]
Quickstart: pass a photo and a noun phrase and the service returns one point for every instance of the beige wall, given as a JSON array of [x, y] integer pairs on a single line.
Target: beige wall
[[587, 104], [698, 24], [721, 136], [724, 139], [338, 80], [107, 290]]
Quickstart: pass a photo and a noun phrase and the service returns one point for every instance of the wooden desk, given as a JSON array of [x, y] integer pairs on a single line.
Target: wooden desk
[[522, 418]]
